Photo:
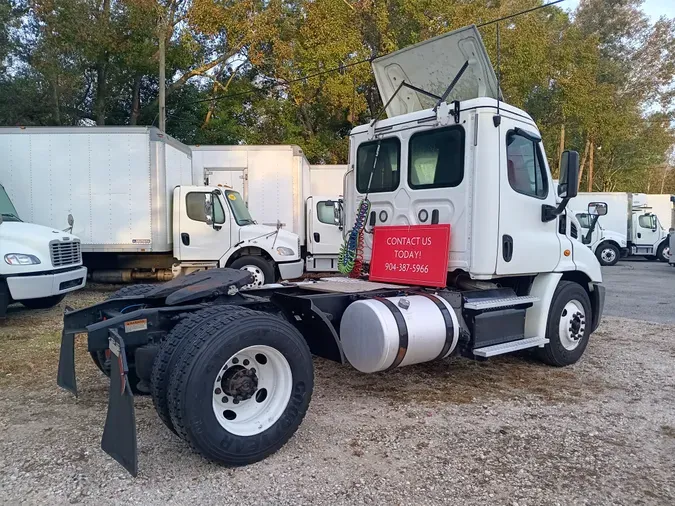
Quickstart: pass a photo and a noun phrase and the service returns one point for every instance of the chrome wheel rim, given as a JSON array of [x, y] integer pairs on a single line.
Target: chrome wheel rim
[[252, 390], [608, 255], [572, 326], [258, 276]]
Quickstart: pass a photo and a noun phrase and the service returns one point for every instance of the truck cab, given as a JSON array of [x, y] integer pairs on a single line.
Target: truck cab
[[39, 265], [213, 228]]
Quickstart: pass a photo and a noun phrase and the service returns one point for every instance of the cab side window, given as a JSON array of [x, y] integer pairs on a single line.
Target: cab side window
[[647, 221], [525, 166], [325, 213], [194, 205]]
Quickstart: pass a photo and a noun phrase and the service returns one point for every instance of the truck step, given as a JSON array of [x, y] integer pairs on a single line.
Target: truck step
[[500, 349], [504, 302]]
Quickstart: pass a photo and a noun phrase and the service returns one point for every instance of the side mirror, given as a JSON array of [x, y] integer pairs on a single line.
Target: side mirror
[[597, 208], [569, 175], [208, 209], [71, 220]]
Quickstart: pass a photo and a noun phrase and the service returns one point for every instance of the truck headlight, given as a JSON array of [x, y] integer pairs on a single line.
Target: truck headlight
[[21, 259], [286, 252]]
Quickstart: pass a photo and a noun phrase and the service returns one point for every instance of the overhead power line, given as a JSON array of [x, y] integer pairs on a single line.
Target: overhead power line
[[341, 68]]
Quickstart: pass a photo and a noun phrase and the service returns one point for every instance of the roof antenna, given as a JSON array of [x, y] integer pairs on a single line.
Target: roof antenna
[[497, 119]]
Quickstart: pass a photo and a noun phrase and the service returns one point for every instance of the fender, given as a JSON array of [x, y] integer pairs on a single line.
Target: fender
[[536, 317]]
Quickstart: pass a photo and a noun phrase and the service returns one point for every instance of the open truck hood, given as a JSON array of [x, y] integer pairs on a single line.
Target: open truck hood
[[431, 65]]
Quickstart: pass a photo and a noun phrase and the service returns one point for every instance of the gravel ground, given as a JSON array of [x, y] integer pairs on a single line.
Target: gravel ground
[[507, 431]]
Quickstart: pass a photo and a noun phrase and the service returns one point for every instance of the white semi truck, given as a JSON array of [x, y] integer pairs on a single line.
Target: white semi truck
[[38, 265], [280, 188], [136, 209], [230, 370], [630, 228]]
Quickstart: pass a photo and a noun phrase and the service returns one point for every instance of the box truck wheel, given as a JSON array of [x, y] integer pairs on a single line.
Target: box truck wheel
[[663, 252], [171, 349], [43, 302], [99, 357], [569, 325], [262, 269], [608, 254], [241, 387]]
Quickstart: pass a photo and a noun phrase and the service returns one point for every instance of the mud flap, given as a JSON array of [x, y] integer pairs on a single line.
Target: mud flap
[[65, 377], [119, 433]]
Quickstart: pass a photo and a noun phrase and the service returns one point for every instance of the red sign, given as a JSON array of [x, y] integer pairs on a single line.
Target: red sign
[[411, 254]]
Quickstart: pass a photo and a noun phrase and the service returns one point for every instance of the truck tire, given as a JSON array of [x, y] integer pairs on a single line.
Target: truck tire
[[261, 269], [99, 357], [169, 352], [608, 254], [663, 252], [43, 302], [569, 325], [241, 386]]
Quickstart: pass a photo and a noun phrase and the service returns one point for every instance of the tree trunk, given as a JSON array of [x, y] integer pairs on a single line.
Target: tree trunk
[[57, 108], [101, 72], [583, 162], [663, 179], [135, 100], [590, 167], [561, 148]]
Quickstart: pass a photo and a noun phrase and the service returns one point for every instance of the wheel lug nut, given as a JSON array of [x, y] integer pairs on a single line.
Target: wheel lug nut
[[224, 399], [245, 362], [235, 360], [253, 370], [218, 391], [236, 401]]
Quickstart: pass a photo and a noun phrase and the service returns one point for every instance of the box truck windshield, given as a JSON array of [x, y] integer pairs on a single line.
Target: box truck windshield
[[239, 209], [7, 209]]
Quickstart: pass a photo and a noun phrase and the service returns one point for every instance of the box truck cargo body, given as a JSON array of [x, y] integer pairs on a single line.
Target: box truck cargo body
[[116, 182], [134, 206], [276, 183]]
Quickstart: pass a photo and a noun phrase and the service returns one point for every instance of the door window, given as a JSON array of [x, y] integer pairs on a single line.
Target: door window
[[647, 221], [325, 213], [436, 158], [525, 165], [584, 220], [382, 175], [194, 204]]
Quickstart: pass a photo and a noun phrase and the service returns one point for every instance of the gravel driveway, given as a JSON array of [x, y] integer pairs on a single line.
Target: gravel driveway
[[507, 431]]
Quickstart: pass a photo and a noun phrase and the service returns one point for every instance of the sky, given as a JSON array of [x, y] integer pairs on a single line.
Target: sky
[[653, 8]]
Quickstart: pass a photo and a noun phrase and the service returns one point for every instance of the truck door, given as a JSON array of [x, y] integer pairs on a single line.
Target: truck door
[[197, 240], [526, 243], [232, 178], [647, 230], [324, 237]]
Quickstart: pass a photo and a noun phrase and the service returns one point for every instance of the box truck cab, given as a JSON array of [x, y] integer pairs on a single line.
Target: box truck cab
[[212, 223], [38, 265]]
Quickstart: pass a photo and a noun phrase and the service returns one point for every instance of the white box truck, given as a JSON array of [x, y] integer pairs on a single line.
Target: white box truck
[[136, 210], [38, 265], [630, 227], [277, 185]]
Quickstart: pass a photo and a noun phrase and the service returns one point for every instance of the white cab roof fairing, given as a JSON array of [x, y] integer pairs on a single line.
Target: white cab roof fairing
[[431, 65]]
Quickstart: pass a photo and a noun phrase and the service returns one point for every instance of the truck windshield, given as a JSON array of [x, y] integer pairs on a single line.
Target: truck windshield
[[239, 209], [7, 209]]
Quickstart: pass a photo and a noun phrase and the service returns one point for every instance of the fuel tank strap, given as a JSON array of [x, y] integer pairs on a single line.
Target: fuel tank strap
[[402, 332], [449, 327]]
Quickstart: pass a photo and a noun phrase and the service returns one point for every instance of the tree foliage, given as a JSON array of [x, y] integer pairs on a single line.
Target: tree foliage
[[599, 80]]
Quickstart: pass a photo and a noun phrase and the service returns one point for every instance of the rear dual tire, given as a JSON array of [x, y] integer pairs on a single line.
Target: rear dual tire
[[226, 354]]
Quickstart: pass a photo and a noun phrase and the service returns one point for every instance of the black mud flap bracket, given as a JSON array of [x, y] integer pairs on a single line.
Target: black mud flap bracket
[[65, 377], [119, 433], [313, 324]]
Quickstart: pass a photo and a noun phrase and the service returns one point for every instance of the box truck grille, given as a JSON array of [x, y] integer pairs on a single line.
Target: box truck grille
[[65, 253]]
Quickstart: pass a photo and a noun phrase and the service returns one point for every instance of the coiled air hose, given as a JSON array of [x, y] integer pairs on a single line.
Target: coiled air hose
[[350, 258]]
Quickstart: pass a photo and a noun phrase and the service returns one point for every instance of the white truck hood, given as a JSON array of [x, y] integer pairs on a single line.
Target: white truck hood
[[432, 65], [28, 239], [269, 239]]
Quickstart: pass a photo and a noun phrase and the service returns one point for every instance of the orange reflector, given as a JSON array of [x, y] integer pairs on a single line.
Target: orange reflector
[[567, 252]]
